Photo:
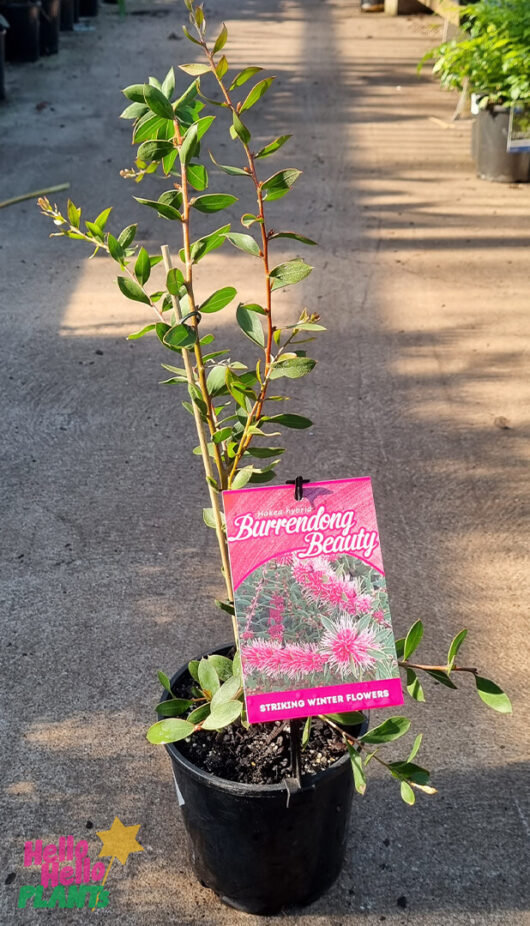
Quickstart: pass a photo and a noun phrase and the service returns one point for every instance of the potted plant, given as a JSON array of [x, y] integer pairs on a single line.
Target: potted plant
[[492, 60], [271, 830], [23, 35]]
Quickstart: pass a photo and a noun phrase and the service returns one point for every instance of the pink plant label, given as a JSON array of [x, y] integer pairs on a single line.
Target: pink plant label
[[311, 601]]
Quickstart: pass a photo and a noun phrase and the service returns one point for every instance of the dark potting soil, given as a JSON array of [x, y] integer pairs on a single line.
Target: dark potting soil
[[261, 754]]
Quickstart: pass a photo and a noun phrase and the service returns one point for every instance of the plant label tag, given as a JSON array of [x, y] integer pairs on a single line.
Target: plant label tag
[[519, 129], [311, 602], [180, 799]]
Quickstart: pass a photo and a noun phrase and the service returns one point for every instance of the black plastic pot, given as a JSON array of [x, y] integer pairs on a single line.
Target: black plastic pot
[[88, 7], [259, 848], [67, 15], [2, 60], [50, 16], [22, 39], [488, 147]]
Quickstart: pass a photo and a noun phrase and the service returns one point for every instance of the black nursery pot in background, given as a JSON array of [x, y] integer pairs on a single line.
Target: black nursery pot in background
[[489, 141], [3, 27], [67, 16], [259, 848], [88, 7], [50, 16], [23, 35]]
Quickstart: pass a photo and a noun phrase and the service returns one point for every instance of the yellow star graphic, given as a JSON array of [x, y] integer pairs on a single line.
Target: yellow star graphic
[[120, 841]]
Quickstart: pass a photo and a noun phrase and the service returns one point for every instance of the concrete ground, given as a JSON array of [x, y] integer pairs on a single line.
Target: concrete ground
[[107, 570]]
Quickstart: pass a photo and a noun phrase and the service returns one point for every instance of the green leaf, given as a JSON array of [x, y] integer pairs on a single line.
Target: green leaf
[[221, 435], [188, 145], [456, 643], [140, 334], [407, 793], [154, 150], [208, 678], [180, 336], [169, 731], [216, 385], [295, 236], [243, 76], [292, 369], [189, 36], [239, 129], [413, 686], [441, 677], [199, 714], [226, 606], [203, 125], [174, 281], [409, 770], [197, 176], [173, 707], [126, 237], [210, 242], [349, 719], [195, 69], [134, 111], [193, 669], [74, 214], [400, 646], [220, 41], [164, 209], [218, 300], [242, 477], [131, 289], [291, 272], [492, 695], [263, 453], [289, 421], [233, 171], [390, 729], [168, 84], [244, 243], [306, 732], [256, 93], [359, 777], [221, 67], [142, 267], [250, 325], [273, 146], [213, 202], [414, 751], [116, 251], [413, 639], [157, 102], [223, 715], [164, 681], [208, 517], [227, 692], [147, 128], [280, 183], [102, 218], [222, 666], [135, 92]]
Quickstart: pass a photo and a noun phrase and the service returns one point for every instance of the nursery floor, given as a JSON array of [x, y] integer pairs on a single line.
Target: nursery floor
[[107, 571]]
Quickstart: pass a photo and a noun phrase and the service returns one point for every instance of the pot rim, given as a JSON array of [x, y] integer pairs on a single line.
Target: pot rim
[[225, 784]]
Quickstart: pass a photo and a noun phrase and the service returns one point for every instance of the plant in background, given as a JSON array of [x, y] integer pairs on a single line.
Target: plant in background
[[233, 408], [492, 57]]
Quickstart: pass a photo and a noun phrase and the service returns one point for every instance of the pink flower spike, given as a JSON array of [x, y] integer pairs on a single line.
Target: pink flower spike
[[347, 647]]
